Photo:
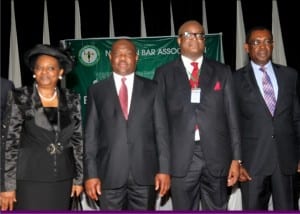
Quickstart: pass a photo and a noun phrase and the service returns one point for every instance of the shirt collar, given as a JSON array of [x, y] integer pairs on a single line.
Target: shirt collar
[[187, 61], [119, 77], [257, 67]]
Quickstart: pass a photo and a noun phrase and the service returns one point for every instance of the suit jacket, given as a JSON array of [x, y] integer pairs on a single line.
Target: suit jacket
[[115, 147], [29, 134], [216, 116], [267, 140]]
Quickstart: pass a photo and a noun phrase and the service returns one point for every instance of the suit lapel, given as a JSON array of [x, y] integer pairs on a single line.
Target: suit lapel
[[113, 96], [206, 74], [281, 87], [180, 76], [136, 94], [252, 85]]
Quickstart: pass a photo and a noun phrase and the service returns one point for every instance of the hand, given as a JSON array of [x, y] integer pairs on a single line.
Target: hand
[[234, 173], [76, 190], [298, 169], [162, 183], [93, 188], [244, 176], [7, 200]]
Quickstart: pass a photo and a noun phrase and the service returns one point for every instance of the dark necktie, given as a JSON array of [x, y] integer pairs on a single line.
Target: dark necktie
[[194, 79], [268, 89], [123, 97]]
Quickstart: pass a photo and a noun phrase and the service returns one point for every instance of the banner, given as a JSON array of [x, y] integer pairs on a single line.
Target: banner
[[93, 65]]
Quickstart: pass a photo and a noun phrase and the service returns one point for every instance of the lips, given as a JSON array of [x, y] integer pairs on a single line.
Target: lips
[[262, 54]]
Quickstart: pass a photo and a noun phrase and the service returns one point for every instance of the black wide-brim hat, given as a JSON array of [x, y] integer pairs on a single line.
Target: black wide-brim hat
[[62, 56]]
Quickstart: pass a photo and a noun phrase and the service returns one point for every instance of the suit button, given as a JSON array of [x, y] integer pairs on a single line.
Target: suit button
[[273, 136]]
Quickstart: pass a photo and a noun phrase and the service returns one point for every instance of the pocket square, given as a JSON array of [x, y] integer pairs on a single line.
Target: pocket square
[[217, 86]]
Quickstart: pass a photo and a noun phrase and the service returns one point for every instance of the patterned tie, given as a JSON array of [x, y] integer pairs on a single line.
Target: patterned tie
[[194, 79], [269, 94], [123, 97]]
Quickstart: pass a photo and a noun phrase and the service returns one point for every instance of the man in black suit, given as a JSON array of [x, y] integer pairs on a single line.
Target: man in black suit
[[203, 124], [127, 153], [270, 126]]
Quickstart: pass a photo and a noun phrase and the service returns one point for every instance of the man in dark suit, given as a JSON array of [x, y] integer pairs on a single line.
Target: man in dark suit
[[270, 126], [127, 153], [203, 124]]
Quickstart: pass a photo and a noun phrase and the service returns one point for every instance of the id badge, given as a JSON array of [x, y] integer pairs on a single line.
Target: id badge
[[195, 95]]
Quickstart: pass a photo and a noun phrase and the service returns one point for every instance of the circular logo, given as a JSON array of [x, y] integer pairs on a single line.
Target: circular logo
[[89, 55]]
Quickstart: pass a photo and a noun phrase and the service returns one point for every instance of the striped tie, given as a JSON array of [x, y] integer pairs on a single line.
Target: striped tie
[[269, 94]]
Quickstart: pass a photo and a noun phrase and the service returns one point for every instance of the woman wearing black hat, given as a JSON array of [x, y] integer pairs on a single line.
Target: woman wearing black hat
[[43, 138]]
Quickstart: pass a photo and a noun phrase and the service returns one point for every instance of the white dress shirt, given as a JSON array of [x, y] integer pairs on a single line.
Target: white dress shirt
[[129, 83]]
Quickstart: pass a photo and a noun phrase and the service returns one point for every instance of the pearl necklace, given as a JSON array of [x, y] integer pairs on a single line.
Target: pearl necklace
[[46, 98]]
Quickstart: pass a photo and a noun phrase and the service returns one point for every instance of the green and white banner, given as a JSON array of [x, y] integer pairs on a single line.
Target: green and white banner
[[92, 62]]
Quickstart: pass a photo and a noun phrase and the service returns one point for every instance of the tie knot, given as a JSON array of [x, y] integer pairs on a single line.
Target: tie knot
[[123, 79], [194, 64], [263, 69]]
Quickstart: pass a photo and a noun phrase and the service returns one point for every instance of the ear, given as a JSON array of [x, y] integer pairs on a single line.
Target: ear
[[246, 47], [178, 41], [61, 72]]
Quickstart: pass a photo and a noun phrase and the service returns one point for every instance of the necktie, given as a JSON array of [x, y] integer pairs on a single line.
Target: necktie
[[123, 97], [194, 79], [269, 94]]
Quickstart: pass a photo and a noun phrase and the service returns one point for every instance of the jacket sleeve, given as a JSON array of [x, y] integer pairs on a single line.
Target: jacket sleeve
[[77, 141], [162, 134], [10, 133], [232, 115], [91, 138]]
